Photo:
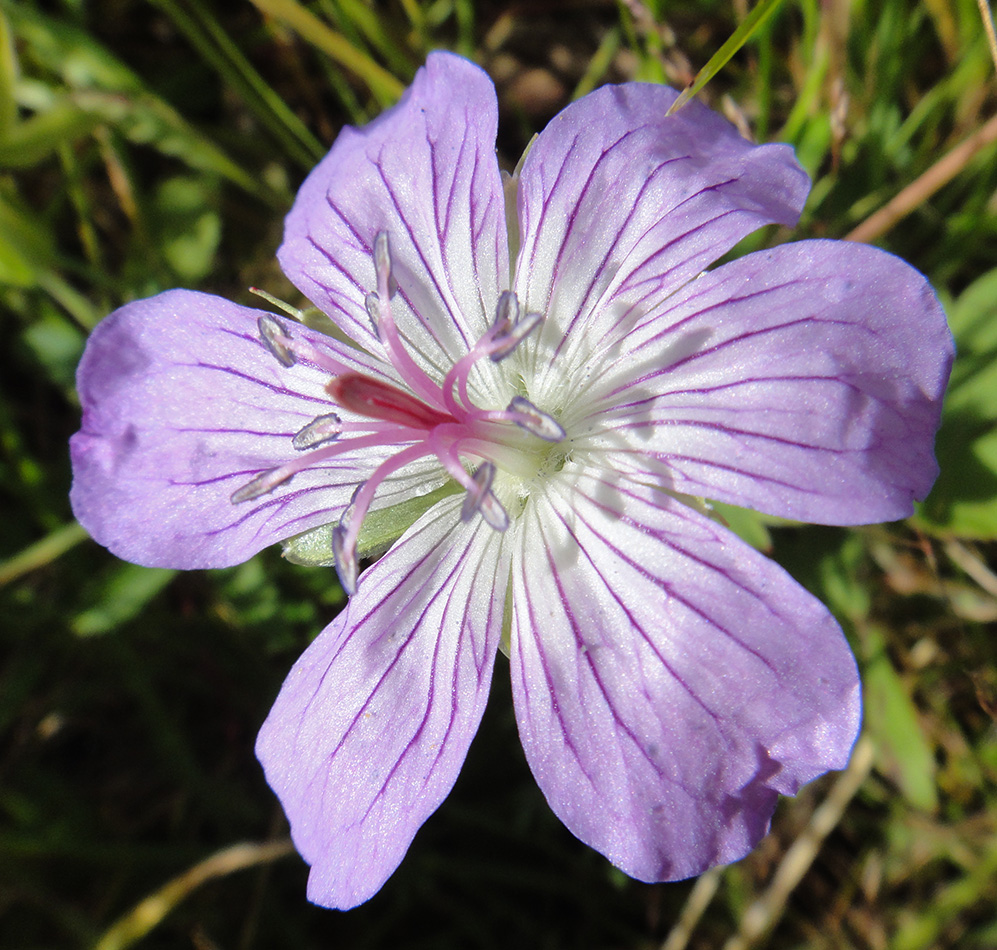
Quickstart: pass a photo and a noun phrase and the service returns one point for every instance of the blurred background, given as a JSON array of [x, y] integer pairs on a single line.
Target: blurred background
[[147, 144]]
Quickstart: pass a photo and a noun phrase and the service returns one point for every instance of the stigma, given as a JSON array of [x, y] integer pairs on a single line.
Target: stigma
[[418, 417]]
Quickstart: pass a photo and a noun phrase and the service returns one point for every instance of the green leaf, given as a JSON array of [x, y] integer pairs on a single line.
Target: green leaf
[[962, 500], [104, 90], [385, 87], [57, 345], [752, 23], [748, 525], [892, 719], [197, 21], [26, 247], [121, 598], [8, 77], [189, 228], [27, 143]]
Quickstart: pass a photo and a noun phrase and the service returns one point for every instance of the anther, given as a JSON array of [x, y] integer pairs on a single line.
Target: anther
[[505, 343], [507, 310], [481, 485], [372, 304], [320, 430], [345, 558], [382, 264], [494, 514], [347, 516], [271, 332], [534, 420], [481, 499], [263, 484]]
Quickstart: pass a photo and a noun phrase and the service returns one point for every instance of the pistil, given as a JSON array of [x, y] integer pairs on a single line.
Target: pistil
[[426, 419]]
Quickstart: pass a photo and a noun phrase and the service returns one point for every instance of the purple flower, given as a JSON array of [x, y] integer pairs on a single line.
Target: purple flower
[[531, 382]]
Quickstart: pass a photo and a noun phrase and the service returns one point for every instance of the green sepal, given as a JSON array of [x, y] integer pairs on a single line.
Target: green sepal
[[379, 531]]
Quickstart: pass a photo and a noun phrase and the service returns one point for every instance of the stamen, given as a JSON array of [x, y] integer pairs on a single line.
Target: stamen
[[507, 311], [344, 536], [320, 430], [263, 484], [505, 343], [288, 350], [481, 498], [267, 481], [492, 511], [481, 485], [350, 510], [382, 264], [345, 555], [408, 420], [372, 304], [534, 420], [504, 335], [271, 330], [387, 332]]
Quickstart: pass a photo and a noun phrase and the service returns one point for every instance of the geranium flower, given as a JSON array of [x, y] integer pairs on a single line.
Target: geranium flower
[[532, 379]]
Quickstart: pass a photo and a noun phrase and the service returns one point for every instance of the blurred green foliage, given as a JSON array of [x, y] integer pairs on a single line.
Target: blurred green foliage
[[146, 144]]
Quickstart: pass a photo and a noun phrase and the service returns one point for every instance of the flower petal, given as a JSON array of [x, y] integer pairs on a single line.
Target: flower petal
[[182, 405], [668, 679], [804, 381], [425, 172], [621, 204], [373, 723]]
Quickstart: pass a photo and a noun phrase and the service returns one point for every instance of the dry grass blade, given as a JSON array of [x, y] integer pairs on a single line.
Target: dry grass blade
[[922, 188], [988, 26], [765, 912], [149, 912], [699, 899]]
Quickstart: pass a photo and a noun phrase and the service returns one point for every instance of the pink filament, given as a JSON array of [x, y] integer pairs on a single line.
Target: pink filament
[[429, 420]]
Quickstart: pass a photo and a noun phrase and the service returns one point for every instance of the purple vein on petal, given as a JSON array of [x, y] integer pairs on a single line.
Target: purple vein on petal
[[586, 654], [598, 275], [616, 486], [429, 271]]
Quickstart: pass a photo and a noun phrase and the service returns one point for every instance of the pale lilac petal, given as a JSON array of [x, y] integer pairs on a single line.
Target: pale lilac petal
[[426, 173], [804, 381], [620, 205], [373, 723], [182, 405], [668, 680]]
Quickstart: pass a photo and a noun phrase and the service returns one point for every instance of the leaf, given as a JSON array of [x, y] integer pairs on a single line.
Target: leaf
[[752, 23], [891, 718], [121, 598], [8, 76], [962, 501], [385, 87], [189, 228], [748, 525], [26, 247], [104, 90], [27, 143]]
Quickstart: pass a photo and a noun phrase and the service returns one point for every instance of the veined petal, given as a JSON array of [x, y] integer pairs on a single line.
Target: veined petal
[[373, 723], [805, 382], [424, 172], [668, 680], [620, 205], [183, 405]]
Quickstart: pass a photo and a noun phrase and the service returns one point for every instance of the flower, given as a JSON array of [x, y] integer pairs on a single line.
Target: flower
[[532, 380]]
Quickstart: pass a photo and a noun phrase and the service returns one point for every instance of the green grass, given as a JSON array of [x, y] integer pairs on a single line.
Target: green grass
[[147, 145]]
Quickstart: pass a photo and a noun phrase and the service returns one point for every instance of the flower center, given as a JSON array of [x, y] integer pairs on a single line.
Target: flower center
[[426, 418]]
